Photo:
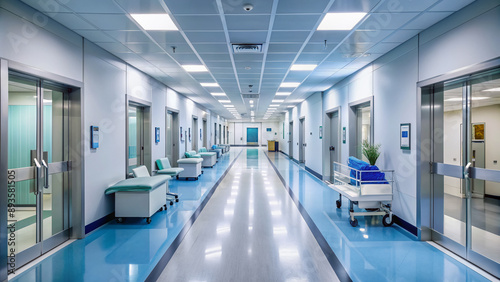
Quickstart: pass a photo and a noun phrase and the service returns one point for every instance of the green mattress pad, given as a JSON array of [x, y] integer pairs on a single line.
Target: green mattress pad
[[138, 184]]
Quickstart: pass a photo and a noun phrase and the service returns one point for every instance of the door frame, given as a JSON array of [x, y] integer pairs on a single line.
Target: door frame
[[302, 139], [426, 169], [290, 140], [327, 119], [76, 156], [147, 130]]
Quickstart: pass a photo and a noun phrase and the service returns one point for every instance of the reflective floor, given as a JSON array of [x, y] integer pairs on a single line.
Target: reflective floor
[[128, 251], [249, 231], [229, 225]]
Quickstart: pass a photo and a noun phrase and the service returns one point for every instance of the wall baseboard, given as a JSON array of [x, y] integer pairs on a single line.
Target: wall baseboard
[[405, 225], [284, 153], [100, 222], [314, 173]]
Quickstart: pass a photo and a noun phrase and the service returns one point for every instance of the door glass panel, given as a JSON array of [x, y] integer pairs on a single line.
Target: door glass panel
[[449, 196], [169, 137], [363, 128], [485, 153], [53, 146], [133, 154], [22, 132]]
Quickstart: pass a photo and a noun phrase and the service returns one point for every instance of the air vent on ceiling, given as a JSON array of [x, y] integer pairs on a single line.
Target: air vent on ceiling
[[250, 96], [247, 48]]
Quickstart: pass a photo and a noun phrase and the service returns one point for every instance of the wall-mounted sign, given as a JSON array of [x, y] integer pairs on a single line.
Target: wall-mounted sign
[[343, 135], [94, 137], [405, 136], [157, 135], [182, 137], [320, 132], [268, 129]]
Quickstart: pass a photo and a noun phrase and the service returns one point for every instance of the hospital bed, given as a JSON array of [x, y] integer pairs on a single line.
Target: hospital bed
[[373, 195], [139, 197]]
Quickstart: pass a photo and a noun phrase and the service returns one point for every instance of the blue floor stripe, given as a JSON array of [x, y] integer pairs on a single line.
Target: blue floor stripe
[[368, 252], [129, 251]]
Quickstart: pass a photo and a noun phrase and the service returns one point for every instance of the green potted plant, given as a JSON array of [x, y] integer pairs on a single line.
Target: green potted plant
[[371, 152]]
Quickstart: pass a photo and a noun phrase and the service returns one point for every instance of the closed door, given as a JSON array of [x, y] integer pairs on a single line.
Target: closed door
[[252, 136], [465, 167], [38, 130], [290, 140], [302, 144], [169, 136], [204, 134], [334, 140]]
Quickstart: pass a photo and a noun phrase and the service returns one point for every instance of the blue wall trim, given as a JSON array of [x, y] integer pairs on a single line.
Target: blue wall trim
[[157, 270], [330, 255], [314, 173], [100, 222], [296, 161], [405, 225]]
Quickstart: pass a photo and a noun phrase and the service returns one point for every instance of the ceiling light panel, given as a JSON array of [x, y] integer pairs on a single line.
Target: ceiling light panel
[[340, 21], [195, 68], [209, 84], [289, 84], [283, 93], [299, 67], [217, 93], [154, 21]]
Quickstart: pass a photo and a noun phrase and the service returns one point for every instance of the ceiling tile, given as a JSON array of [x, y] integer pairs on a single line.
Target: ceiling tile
[[93, 6], [96, 36], [129, 36], [283, 47], [301, 6], [450, 5], [295, 22], [144, 47], [227, 65], [247, 22], [319, 47], [382, 48], [248, 57], [353, 6], [218, 57], [192, 7], [426, 20], [331, 36], [167, 36], [71, 21], [141, 7], [379, 21], [312, 58], [199, 22], [43, 7], [250, 37], [236, 7], [368, 36], [211, 48], [115, 47], [406, 6], [283, 57], [111, 21], [289, 36], [209, 37], [186, 59]]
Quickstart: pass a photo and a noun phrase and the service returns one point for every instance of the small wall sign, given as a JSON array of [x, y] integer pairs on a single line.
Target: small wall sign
[[405, 136]]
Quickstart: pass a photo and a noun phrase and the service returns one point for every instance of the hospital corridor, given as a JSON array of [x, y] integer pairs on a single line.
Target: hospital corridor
[[249, 140]]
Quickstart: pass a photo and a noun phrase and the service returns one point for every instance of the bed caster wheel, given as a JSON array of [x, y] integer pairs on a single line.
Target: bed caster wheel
[[176, 200], [165, 206], [161, 209], [148, 220], [171, 203], [354, 222], [339, 204], [196, 178], [177, 176], [119, 220], [386, 220]]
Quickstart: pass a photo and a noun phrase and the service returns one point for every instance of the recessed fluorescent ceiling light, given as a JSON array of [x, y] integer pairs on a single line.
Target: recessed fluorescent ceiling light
[[251, 106], [283, 93], [277, 101], [209, 84], [460, 99], [493, 89], [289, 84], [340, 21], [224, 101], [303, 67], [229, 106], [195, 68], [290, 106], [251, 101], [154, 21], [274, 106], [218, 94]]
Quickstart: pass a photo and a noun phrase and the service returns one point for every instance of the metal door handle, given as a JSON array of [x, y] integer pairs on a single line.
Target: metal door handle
[[46, 185], [37, 175], [466, 170]]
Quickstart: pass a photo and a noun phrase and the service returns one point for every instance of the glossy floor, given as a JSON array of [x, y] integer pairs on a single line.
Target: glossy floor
[[128, 251], [369, 252], [250, 230]]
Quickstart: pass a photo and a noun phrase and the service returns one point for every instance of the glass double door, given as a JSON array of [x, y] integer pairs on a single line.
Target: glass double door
[[465, 128], [38, 189]]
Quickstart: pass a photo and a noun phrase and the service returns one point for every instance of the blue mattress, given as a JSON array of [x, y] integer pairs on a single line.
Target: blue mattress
[[358, 177]]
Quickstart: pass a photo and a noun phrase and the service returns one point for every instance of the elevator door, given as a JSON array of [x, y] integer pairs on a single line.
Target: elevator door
[[38, 154], [465, 180]]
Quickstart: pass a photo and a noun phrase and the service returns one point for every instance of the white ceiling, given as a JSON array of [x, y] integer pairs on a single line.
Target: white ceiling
[[287, 28]]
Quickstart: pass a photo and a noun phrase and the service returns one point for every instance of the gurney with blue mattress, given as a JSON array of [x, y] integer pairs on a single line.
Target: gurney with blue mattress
[[139, 197], [366, 186]]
